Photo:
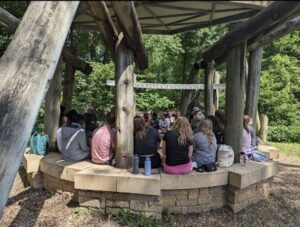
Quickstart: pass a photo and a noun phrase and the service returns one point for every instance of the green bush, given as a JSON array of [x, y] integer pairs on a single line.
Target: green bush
[[284, 134]]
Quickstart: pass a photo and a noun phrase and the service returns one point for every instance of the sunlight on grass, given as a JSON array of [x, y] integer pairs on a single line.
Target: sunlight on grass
[[289, 149]]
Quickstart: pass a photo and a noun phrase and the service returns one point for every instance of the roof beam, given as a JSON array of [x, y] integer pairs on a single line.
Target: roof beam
[[12, 23], [129, 24], [102, 18], [275, 34], [266, 18], [155, 16]]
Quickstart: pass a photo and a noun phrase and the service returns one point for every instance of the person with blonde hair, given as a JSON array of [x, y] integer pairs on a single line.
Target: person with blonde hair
[[177, 148], [205, 144]]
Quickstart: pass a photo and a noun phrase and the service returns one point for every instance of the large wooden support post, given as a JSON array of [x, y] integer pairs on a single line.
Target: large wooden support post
[[235, 85], [27, 68], [252, 93], [125, 106], [216, 91], [69, 79], [208, 90], [52, 106]]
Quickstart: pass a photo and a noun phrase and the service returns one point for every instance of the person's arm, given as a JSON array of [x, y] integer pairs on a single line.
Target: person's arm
[[163, 152], [113, 143], [82, 141], [190, 151]]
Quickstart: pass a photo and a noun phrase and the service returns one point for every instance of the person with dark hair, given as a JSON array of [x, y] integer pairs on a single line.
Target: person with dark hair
[[218, 129], [146, 142], [220, 114], [164, 123], [62, 115], [155, 121], [103, 141], [74, 146], [147, 119]]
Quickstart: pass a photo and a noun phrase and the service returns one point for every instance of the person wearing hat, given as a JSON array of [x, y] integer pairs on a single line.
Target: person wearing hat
[[197, 118]]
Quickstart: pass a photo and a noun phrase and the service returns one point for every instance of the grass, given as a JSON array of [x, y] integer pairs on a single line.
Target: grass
[[289, 149]]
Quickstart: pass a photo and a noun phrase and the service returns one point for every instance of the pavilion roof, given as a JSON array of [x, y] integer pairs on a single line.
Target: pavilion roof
[[170, 17]]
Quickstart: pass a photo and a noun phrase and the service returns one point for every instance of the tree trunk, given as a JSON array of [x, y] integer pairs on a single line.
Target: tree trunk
[[68, 86], [52, 106], [264, 120], [125, 106], [252, 95], [216, 91], [208, 90], [235, 84], [187, 94], [28, 65]]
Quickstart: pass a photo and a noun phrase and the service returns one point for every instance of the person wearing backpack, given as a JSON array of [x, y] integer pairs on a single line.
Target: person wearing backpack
[[74, 144]]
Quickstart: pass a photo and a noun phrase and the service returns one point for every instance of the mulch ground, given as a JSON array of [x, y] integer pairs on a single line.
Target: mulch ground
[[28, 207]]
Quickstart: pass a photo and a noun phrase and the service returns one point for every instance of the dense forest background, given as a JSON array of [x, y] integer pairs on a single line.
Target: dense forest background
[[171, 60]]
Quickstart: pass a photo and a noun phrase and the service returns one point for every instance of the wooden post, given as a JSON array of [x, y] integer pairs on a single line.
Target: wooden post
[[252, 94], [208, 89], [68, 85], [235, 85], [124, 106], [27, 68], [215, 91], [52, 106]]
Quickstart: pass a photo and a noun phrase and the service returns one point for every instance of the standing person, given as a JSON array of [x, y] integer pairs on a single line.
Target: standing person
[[246, 138], [103, 141], [146, 142], [164, 123], [177, 148], [171, 118], [177, 115], [74, 146], [155, 121], [147, 119], [197, 118], [205, 144]]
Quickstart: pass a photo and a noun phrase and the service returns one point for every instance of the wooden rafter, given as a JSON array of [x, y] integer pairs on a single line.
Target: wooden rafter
[[276, 12], [212, 12], [154, 15], [129, 24]]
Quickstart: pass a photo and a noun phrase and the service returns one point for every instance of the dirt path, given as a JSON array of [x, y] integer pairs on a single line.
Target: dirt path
[[27, 207]]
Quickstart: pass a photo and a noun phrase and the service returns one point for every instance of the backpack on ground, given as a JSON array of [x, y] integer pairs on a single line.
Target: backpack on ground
[[39, 144], [225, 156]]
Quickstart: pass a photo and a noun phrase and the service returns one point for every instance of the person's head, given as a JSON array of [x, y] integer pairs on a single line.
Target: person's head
[[196, 112], [246, 121], [140, 127], [72, 116], [178, 114], [62, 109], [64, 121], [183, 127], [206, 127], [110, 119], [214, 121], [165, 115], [169, 114], [154, 116], [91, 110], [81, 120], [221, 115]]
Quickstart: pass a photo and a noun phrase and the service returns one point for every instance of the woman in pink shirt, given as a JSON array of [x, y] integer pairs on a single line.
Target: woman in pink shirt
[[103, 141], [246, 138]]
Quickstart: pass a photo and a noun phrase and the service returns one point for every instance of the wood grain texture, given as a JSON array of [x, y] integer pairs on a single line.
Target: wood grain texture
[[27, 68]]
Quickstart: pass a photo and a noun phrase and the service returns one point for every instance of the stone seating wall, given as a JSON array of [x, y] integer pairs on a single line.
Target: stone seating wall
[[109, 189]]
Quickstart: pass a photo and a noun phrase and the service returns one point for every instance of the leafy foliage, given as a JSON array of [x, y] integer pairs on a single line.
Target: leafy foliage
[[283, 133]]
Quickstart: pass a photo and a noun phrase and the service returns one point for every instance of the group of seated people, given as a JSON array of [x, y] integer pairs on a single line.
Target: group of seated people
[[177, 148]]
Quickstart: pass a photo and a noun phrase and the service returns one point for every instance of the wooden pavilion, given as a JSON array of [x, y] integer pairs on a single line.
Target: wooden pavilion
[[30, 65]]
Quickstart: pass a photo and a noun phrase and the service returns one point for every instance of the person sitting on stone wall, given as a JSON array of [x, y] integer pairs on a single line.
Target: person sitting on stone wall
[[146, 142], [177, 148], [74, 146], [103, 141], [246, 138], [218, 129], [205, 146]]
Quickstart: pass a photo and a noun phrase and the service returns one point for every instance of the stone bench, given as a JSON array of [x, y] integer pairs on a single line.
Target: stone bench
[[109, 188], [272, 152]]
